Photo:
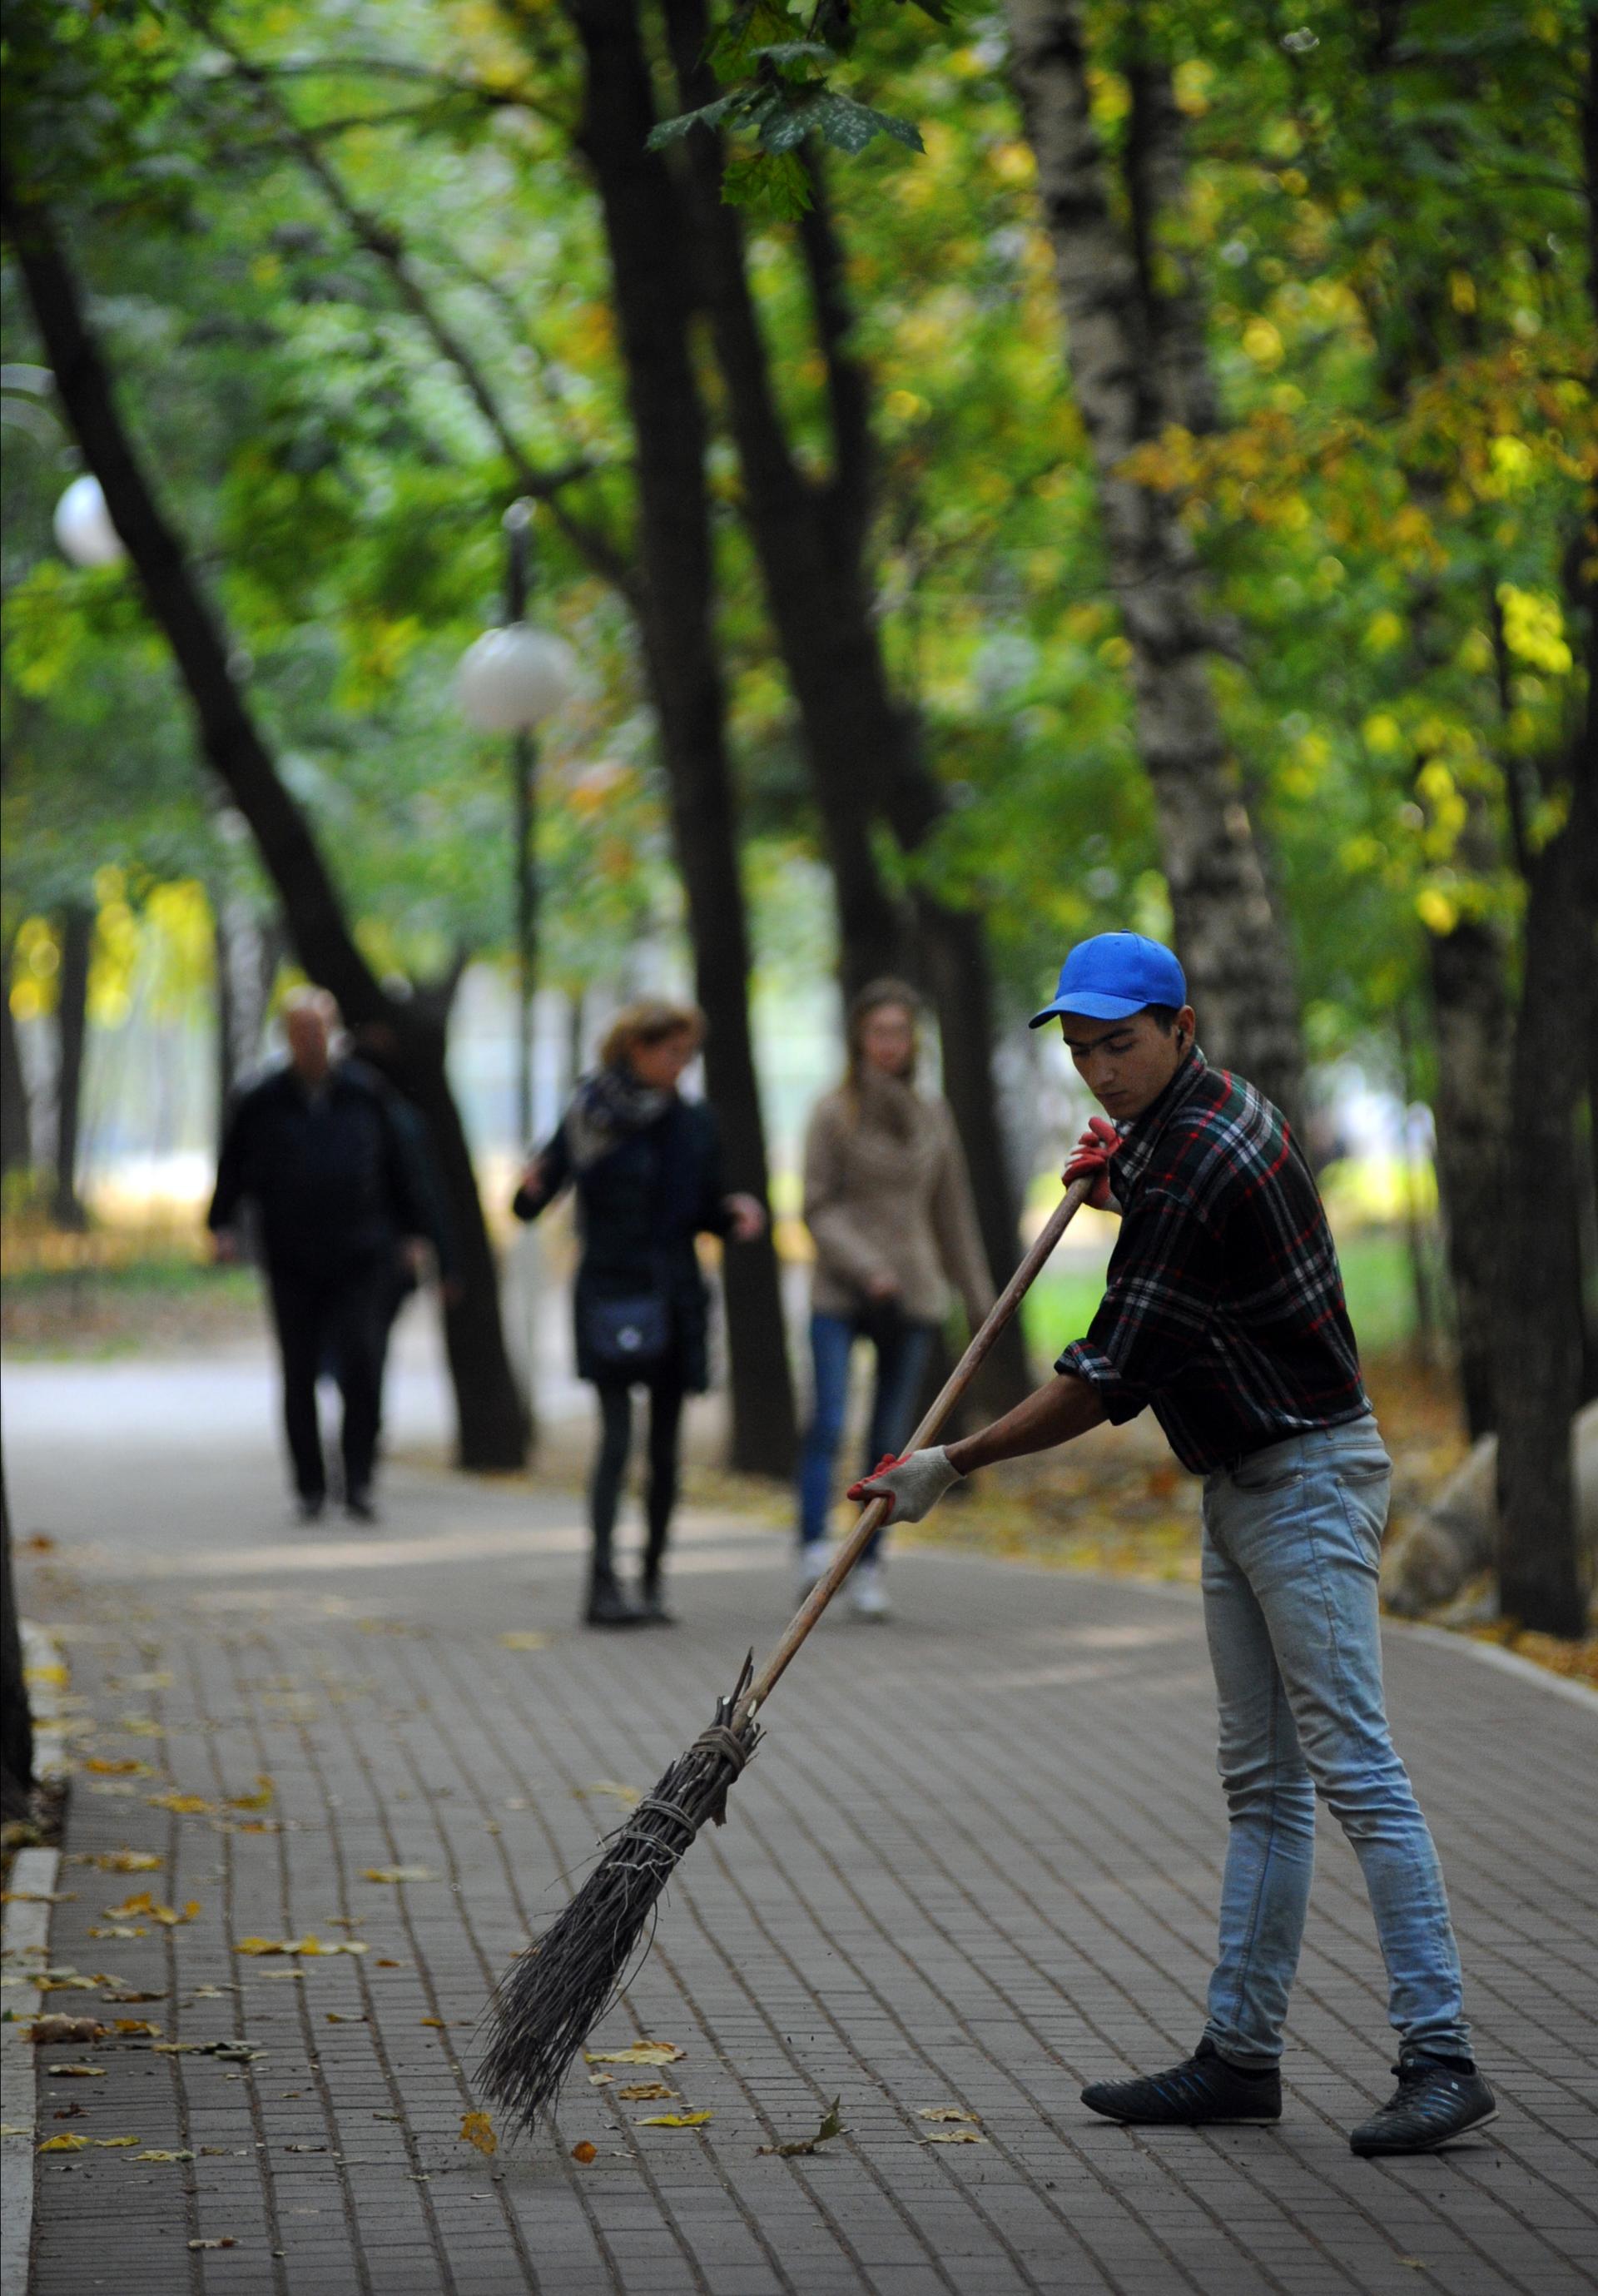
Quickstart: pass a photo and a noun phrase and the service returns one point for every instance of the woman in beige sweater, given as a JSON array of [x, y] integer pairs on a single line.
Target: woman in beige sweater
[[889, 1204]]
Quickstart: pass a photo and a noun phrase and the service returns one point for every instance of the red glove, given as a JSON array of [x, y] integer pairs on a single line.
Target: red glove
[[1091, 1157]]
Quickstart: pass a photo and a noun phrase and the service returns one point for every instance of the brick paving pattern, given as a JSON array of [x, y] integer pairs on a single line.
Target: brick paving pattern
[[975, 1865]]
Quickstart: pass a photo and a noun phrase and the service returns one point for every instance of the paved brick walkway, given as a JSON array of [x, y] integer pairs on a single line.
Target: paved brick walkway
[[975, 1864]]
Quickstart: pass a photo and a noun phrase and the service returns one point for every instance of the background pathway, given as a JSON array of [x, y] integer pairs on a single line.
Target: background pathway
[[975, 1864]]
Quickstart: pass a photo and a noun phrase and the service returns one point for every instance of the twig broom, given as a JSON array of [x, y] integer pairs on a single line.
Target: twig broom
[[554, 1993]]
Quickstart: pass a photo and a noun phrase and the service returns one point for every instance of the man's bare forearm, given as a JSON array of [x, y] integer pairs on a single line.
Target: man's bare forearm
[[1051, 1415]]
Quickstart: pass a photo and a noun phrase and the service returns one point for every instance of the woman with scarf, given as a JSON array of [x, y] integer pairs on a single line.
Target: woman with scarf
[[645, 1166], [889, 1205]]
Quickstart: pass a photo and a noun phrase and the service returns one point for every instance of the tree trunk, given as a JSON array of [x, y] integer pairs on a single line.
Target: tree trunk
[[76, 929], [1541, 1575], [230, 1059], [1472, 1023], [1137, 362], [16, 1121], [491, 1434], [646, 233], [16, 1721], [861, 744]]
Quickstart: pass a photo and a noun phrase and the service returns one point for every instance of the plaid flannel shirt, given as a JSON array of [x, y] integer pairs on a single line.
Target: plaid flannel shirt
[[1223, 1308]]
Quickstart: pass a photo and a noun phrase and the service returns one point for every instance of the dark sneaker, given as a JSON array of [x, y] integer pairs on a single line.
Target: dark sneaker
[[358, 1508], [1433, 2104], [1205, 2089], [608, 1606]]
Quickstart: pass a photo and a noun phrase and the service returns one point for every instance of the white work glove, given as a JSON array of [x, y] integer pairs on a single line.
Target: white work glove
[[915, 1484]]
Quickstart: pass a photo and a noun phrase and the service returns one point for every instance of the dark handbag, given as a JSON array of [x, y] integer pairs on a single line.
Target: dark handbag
[[631, 1334], [882, 1322]]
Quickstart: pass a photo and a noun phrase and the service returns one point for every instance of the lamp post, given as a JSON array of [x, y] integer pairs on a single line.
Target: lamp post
[[510, 681]]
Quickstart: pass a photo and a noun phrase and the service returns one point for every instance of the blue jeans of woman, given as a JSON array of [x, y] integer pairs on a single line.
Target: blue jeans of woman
[[902, 1349], [1292, 1542]]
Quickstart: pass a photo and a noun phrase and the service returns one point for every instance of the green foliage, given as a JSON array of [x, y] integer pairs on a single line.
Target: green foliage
[[1388, 250]]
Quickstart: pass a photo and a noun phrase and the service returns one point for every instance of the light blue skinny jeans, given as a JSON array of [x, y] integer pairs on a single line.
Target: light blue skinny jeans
[[1292, 1542], [900, 1364]]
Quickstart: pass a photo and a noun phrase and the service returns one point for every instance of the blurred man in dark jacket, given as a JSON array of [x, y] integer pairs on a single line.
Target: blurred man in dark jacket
[[315, 1148]]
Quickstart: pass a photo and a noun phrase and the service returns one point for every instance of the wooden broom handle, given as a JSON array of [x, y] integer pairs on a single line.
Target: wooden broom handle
[[876, 1512]]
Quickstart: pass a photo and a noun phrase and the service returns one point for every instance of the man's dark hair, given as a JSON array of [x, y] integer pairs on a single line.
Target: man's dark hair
[[1164, 1016]]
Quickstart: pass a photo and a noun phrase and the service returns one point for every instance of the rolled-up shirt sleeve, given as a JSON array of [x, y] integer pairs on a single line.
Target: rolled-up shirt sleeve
[[1160, 1301]]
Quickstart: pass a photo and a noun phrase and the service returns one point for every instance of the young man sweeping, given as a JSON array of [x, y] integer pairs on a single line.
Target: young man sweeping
[[1224, 1312]]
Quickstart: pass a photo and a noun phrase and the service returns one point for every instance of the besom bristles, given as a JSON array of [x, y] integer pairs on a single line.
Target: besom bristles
[[552, 1995]]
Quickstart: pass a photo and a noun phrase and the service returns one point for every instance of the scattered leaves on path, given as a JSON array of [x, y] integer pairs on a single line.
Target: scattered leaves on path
[[37, 1897], [611, 1786], [585, 2151], [524, 1639], [638, 2092], [132, 1993], [310, 1948], [639, 2053], [127, 1861], [142, 1902], [139, 2027], [163, 2156], [184, 1805], [675, 2119], [263, 1798], [117, 2144], [944, 2112], [50, 2032], [76, 2072], [832, 2125], [65, 2143], [955, 2136], [399, 1873], [126, 1766], [119, 1929], [477, 2130]]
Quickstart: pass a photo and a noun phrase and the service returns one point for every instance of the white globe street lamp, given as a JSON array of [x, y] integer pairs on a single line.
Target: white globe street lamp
[[83, 525], [510, 680]]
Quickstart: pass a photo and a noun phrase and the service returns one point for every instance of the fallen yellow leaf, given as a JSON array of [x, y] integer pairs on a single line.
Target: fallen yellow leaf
[[261, 1799], [477, 2130], [399, 1873], [186, 1805], [77, 2072], [640, 2052], [619, 1792], [438, 2021], [675, 2119], [955, 2136], [636, 2092], [163, 2156], [944, 2112], [523, 1639], [141, 2026], [116, 2143], [65, 2145], [127, 1767], [128, 1861]]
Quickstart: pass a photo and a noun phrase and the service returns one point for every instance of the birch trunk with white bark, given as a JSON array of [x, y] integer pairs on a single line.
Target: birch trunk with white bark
[[1135, 348]]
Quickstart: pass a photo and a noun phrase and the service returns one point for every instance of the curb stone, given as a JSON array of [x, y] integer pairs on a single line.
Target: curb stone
[[26, 1935]]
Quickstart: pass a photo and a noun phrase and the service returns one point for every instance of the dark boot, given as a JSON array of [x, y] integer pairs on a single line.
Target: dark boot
[[608, 1606]]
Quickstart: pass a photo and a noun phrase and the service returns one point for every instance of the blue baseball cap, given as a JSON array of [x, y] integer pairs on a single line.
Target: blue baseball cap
[[1114, 975]]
